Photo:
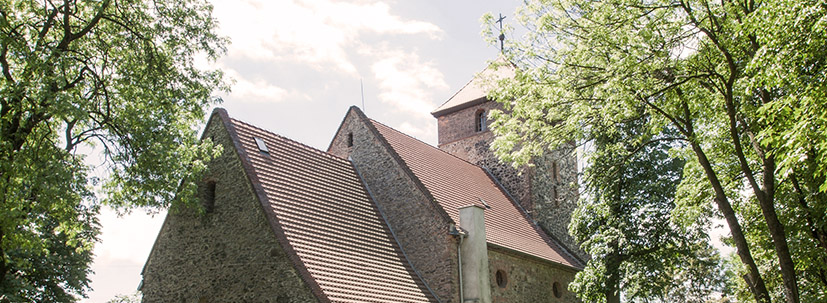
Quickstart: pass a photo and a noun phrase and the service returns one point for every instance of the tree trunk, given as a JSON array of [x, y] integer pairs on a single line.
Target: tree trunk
[[613, 280], [765, 194], [779, 236], [753, 277]]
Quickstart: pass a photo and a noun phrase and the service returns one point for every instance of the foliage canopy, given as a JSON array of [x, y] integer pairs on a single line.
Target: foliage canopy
[[117, 77], [741, 83]]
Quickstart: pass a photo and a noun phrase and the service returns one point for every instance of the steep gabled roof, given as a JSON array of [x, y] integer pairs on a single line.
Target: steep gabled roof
[[325, 220], [476, 90], [455, 183]]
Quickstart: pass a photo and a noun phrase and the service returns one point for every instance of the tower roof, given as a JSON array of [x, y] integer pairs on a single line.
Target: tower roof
[[476, 90]]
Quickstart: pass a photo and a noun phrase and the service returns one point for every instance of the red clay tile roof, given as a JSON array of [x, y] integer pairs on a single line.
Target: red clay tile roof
[[330, 222], [454, 183]]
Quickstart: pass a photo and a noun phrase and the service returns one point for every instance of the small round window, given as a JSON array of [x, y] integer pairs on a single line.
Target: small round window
[[502, 278], [556, 290]]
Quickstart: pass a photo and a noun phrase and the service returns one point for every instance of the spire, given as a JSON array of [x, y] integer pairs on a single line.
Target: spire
[[502, 35]]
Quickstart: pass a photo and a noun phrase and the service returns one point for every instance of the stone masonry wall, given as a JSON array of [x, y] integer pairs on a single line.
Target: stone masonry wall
[[228, 255], [547, 191], [422, 233], [527, 280], [555, 193], [457, 136]]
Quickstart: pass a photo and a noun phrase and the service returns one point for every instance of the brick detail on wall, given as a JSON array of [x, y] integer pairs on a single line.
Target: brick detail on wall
[[461, 124], [528, 280], [458, 137], [228, 255], [421, 227]]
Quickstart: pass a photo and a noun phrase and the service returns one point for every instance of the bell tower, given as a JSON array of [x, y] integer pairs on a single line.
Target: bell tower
[[546, 189]]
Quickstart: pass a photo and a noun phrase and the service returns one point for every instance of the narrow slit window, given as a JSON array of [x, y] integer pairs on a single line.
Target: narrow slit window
[[350, 140], [480, 121], [555, 172], [554, 194], [209, 197], [261, 145]]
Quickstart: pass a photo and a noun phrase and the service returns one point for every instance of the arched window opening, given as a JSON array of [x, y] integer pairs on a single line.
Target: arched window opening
[[480, 121]]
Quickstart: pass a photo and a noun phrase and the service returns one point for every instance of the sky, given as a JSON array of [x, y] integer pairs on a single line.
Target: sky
[[298, 65]]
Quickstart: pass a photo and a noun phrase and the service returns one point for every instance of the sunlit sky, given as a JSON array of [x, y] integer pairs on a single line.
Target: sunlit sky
[[297, 67]]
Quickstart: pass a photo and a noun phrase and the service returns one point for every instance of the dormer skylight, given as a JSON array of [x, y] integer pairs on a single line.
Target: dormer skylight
[[262, 147]]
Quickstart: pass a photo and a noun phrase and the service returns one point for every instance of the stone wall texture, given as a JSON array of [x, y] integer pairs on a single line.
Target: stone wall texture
[[420, 228], [528, 280], [547, 191], [458, 137], [555, 193], [228, 255]]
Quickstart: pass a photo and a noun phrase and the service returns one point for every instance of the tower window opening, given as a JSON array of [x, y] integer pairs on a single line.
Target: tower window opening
[[554, 195], [350, 140], [555, 172], [480, 121]]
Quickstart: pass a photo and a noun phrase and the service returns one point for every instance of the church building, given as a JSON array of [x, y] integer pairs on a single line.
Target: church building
[[378, 217]]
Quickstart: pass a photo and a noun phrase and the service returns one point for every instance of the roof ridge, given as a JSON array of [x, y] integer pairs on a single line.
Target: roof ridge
[[537, 243], [294, 142], [287, 217], [491, 64]]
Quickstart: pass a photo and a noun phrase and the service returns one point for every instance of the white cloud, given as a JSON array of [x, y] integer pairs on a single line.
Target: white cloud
[[316, 33], [125, 243], [406, 83], [259, 90]]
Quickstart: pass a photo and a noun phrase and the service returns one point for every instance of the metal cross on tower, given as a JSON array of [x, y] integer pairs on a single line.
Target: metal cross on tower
[[502, 35]]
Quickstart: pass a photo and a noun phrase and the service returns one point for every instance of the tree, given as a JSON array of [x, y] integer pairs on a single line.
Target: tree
[[116, 77], [131, 298], [625, 223], [741, 81]]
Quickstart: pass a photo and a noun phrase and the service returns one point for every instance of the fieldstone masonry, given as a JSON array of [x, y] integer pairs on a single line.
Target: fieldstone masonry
[[554, 193], [457, 136], [528, 280], [231, 254], [547, 190], [422, 231], [228, 255]]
